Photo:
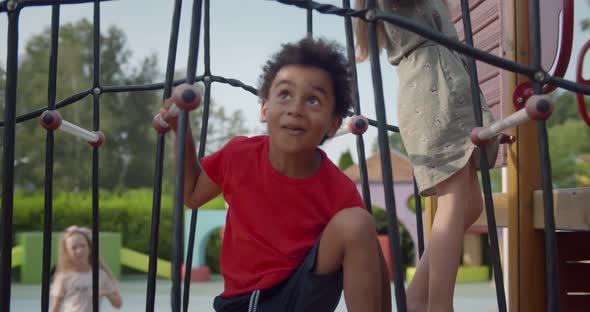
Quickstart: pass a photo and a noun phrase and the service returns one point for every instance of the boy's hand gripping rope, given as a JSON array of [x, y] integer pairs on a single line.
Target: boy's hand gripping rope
[[580, 79], [185, 97]]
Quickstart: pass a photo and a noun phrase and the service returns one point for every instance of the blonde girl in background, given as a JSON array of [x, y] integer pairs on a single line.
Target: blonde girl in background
[[72, 281], [435, 115]]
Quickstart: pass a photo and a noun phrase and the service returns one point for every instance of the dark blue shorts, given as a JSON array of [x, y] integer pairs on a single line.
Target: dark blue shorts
[[303, 291]]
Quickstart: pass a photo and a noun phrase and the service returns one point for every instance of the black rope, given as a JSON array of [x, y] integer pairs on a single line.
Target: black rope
[[49, 141], [157, 86], [546, 183], [63, 103], [8, 161], [159, 168], [194, 213], [375, 123], [551, 272], [193, 50], [36, 113], [235, 83], [95, 158], [395, 19], [383, 138], [566, 84], [419, 222], [188, 264], [485, 173], [360, 144], [155, 225], [177, 224], [177, 212], [147, 87]]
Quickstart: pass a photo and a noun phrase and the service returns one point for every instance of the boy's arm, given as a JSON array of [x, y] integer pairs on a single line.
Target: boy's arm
[[198, 188]]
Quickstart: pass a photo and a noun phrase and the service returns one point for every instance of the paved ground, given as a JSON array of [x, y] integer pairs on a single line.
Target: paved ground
[[473, 297]]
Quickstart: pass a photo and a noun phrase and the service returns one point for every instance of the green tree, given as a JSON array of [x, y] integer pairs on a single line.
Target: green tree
[[130, 132], [568, 142], [127, 158], [345, 160], [565, 108], [406, 244], [124, 118]]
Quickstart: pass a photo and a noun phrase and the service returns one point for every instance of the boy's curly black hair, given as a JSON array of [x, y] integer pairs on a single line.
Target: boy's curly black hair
[[316, 53]]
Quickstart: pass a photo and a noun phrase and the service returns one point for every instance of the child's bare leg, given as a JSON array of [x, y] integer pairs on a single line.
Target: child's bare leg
[[349, 242], [456, 212], [417, 292]]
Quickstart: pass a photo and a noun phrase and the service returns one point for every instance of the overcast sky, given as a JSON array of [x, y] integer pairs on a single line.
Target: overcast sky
[[243, 35]]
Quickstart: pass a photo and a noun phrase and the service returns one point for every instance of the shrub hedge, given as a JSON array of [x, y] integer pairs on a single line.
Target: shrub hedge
[[128, 212]]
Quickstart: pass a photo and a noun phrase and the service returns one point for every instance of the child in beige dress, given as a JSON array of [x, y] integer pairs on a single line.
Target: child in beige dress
[[436, 116], [72, 282]]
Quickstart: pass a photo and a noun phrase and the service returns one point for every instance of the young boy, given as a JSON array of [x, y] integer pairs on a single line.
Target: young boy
[[296, 231]]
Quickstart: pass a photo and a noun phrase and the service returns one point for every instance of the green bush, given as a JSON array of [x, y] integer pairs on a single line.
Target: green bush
[[407, 245], [381, 222], [129, 213], [412, 203], [213, 251]]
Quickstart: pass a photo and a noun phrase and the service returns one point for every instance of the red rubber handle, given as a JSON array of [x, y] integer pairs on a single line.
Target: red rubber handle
[[525, 90], [580, 79]]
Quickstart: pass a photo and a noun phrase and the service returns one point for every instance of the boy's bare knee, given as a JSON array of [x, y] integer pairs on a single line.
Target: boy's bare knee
[[353, 224]]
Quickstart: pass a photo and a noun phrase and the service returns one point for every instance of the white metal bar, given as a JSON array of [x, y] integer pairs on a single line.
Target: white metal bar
[[79, 132], [497, 127]]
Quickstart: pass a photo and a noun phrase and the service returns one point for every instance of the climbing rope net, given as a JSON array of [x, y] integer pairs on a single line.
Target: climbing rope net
[[537, 108]]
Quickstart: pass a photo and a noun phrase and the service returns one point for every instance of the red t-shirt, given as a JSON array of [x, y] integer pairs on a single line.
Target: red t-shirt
[[273, 220]]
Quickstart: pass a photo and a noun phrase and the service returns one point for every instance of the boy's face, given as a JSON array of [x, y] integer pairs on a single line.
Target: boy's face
[[299, 109]]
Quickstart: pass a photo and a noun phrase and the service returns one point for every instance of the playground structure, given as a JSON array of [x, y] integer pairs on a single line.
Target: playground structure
[[502, 28]]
